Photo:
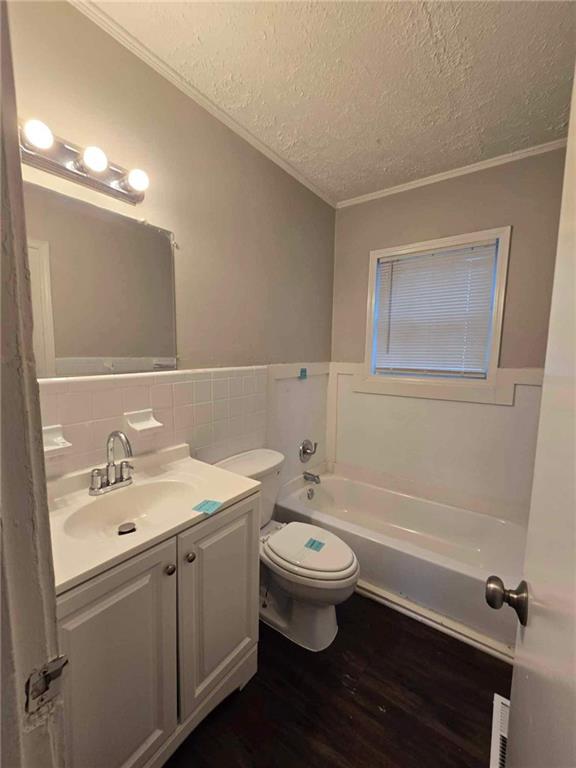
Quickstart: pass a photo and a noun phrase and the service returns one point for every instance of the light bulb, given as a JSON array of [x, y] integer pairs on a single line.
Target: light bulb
[[94, 159], [138, 180], [37, 134]]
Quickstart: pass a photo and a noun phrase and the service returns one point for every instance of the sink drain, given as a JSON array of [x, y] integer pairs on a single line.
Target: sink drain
[[126, 528]]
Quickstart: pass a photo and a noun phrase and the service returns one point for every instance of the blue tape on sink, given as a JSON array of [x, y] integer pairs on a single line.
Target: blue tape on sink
[[208, 506]]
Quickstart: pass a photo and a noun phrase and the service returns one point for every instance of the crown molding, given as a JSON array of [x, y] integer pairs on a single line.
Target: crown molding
[[483, 165], [115, 30]]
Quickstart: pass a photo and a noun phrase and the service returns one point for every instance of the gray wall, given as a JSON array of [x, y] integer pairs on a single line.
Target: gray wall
[[111, 279], [255, 260], [525, 194]]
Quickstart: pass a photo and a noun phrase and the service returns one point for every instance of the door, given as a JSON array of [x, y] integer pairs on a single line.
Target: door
[[218, 599], [119, 632], [543, 701]]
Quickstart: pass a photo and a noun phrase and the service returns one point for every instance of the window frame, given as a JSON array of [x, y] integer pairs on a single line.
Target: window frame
[[429, 384]]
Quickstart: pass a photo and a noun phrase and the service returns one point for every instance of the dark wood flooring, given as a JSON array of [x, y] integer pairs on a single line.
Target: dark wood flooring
[[389, 693]]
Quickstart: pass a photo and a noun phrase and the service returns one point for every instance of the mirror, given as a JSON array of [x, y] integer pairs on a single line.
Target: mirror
[[102, 288]]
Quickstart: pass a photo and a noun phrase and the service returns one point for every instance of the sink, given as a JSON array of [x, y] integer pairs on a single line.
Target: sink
[[158, 504], [167, 485]]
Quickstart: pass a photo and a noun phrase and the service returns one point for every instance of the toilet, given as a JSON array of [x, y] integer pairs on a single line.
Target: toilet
[[305, 570]]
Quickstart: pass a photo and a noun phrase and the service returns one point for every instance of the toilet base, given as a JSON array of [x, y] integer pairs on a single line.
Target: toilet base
[[313, 627]]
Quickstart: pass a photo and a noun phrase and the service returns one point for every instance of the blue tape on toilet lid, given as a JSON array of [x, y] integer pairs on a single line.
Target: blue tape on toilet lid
[[310, 548]]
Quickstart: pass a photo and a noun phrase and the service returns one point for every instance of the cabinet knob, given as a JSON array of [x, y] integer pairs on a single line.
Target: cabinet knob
[[190, 557], [170, 569]]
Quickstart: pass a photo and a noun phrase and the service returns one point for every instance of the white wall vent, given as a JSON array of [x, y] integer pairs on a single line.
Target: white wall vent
[[499, 743]]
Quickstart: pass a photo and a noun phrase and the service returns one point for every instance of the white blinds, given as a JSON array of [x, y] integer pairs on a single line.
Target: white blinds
[[433, 312]]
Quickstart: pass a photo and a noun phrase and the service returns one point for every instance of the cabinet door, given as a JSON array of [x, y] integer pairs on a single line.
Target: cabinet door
[[119, 632], [217, 599]]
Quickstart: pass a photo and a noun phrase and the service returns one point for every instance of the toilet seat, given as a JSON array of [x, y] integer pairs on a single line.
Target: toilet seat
[[310, 552]]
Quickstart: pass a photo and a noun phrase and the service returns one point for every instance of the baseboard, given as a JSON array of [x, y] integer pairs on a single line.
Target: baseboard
[[236, 679], [437, 621]]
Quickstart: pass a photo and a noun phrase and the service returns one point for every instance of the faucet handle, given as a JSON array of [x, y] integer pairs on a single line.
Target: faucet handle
[[306, 450], [96, 480], [126, 470]]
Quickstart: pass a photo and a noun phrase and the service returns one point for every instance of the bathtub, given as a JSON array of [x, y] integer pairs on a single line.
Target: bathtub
[[424, 558]]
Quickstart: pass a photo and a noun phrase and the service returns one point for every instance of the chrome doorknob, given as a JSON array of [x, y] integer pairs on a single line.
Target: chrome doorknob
[[497, 595]]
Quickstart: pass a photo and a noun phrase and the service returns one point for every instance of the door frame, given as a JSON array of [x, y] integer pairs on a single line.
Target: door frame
[[41, 290]]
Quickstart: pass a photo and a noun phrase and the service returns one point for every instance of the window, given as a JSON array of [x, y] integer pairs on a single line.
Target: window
[[436, 308]]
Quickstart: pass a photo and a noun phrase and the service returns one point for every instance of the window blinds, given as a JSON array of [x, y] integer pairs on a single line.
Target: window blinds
[[433, 312]]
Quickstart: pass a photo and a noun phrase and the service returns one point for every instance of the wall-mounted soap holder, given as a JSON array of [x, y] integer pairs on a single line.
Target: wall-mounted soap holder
[[142, 422], [55, 444]]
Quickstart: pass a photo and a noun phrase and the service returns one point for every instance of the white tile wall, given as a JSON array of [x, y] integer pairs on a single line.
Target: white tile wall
[[296, 410], [218, 412], [475, 455], [467, 454]]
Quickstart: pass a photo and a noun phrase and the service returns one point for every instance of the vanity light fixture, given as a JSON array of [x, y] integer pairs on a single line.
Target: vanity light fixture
[[94, 159], [89, 166], [138, 180], [37, 135]]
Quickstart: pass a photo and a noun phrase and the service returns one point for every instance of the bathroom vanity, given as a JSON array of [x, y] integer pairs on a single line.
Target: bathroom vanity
[[158, 625]]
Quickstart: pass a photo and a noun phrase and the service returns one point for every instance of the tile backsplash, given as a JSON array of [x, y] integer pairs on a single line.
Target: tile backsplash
[[218, 412]]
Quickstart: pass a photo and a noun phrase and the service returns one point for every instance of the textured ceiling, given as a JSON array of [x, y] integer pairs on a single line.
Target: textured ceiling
[[362, 96]]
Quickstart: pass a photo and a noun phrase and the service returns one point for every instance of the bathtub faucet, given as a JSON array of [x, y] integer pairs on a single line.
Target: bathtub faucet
[[310, 477]]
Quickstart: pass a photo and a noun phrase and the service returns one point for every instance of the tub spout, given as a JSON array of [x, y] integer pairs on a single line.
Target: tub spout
[[310, 477]]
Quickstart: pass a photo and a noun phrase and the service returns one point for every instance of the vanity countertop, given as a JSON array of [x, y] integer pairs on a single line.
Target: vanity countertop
[[167, 486]]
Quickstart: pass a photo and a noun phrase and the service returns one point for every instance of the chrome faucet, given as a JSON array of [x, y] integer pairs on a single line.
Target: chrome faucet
[[310, 477], [112, 475]]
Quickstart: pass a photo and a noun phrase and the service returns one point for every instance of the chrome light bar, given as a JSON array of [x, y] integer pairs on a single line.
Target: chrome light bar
[[66, 159]]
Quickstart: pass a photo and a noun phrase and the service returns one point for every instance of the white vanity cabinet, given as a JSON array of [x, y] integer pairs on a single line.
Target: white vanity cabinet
[[217, 599], [119, 633], [158, 641]]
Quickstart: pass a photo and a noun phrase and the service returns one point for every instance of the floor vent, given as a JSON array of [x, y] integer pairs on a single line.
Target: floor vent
[[499, 743]]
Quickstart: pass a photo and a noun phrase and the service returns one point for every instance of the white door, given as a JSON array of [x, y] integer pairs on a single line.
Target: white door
[[218, 573], [42, 314], [119, 632], [543, 702]]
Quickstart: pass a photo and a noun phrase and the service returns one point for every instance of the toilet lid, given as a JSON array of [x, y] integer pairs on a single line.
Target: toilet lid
[[254, 463], [310, 548]]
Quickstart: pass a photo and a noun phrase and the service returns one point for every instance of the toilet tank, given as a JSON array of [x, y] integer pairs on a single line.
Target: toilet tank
[[261, 464]]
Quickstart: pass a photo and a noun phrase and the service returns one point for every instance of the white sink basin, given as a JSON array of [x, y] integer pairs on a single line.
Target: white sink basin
[[158, 504], [167, 486]]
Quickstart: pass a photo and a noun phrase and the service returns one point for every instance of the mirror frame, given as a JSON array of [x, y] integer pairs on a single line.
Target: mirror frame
[[116, 365]]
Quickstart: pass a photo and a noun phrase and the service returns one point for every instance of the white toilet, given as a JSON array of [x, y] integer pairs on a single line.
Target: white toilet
[[306, 570]]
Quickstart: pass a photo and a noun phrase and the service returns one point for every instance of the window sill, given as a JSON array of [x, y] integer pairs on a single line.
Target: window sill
[[497, 390]]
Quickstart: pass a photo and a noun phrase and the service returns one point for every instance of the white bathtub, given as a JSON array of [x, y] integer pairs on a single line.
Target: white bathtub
[[424, 558]]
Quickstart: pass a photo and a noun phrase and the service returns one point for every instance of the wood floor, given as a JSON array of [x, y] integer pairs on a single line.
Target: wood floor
[[389, 693]]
